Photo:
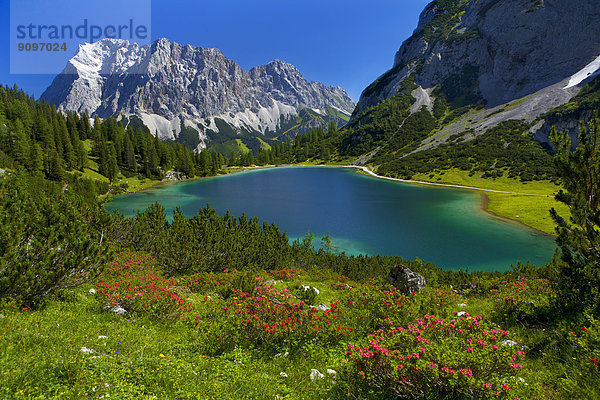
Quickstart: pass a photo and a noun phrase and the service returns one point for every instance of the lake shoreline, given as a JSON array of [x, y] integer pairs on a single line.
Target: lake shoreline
[[483, 204], [366, 170], [158, 184], [378, 224], [485, 201], [448, 185]]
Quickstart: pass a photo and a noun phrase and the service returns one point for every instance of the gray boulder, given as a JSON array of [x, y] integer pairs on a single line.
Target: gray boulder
[[406, 281]]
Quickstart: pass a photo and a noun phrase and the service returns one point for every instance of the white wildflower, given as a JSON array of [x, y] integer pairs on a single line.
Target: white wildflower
[[87, 351]]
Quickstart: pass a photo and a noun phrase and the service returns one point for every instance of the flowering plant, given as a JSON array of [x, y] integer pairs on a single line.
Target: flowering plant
[[458, 357], [132, 281]]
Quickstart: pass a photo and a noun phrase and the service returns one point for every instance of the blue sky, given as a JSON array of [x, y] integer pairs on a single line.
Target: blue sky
[[338, 42]]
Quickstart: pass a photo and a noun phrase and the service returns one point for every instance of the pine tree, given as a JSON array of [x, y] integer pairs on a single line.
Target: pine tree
[[81, 154], [101, 152], [21, 145], [112, 169], [67, 144], [56, 170], [332, 129], [97, 130], [232, 159], [37, 160], [153, 160], [204, 163], [579, 238], [128, 155], [83, 126]]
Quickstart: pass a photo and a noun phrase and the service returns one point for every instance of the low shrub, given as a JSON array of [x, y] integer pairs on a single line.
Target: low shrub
[[438, 358], [268, 319], [48, 242], [132, 281]]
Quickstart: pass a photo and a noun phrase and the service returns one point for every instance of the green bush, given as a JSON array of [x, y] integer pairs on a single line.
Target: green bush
[[305, 294], [205, 242], [48, 242]]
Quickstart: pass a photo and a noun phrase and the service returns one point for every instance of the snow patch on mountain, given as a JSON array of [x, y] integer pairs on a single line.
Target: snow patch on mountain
[[213, 126], [190, 124], [590, 70]]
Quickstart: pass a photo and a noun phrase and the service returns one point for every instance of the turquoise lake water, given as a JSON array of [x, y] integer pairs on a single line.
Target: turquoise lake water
[[362, 214]]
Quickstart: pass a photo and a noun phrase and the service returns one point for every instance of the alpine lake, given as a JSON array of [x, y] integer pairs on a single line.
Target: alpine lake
[[361, 214]]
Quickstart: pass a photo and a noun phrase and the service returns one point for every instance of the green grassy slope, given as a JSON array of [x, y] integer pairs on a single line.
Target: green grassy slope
[[253, 335]]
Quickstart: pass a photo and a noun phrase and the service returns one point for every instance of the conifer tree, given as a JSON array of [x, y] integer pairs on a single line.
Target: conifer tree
[[579, 236], [37, 160], [83, 126], [128, 155], [56, 170], [112, 168], [81, 156]]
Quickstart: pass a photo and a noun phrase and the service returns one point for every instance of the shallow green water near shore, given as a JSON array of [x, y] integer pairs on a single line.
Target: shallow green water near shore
[[363, 215]]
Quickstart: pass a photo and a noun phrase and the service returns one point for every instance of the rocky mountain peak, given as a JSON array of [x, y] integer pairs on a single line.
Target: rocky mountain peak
[[279, 66], [471, 65], [167, 84], [518, 47], [428, 14]]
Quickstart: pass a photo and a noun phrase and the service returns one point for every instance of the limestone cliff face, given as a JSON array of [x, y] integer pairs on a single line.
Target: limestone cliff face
[[169, 85], [517, 47]]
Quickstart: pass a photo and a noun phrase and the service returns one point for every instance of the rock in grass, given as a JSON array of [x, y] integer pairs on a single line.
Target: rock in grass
[[315, 374], [306, 288], [118, 310], [406, 281]]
